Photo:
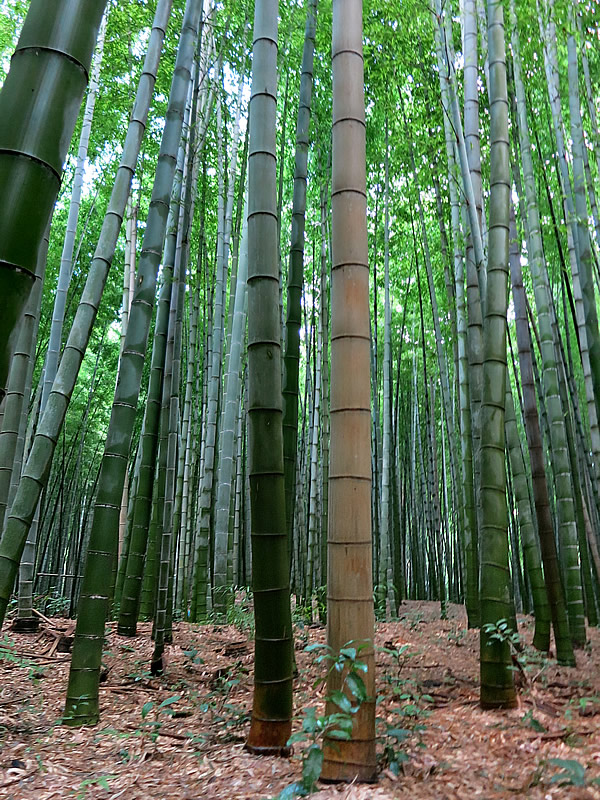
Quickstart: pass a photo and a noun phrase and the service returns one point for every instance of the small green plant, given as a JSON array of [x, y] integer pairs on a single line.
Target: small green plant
[[532, 722], [413, 701], [240, 614], [223, 713], [399, 656], [53, 605], [321, 595], [573, 773], [411, 713], [457, 637], [501, 631], [153, 726], [531, 663], [405, 689], [101, 781], [337, 725], [586, 705], [416, 617], [9, 654], [302, 613], [140, 673], [192, 655], [393, 755]]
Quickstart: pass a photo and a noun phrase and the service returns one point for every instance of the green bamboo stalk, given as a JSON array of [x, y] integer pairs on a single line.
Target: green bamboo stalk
[[581, 213], [183, 486], [142, 504], [232, 403], [213, 391], [497, 685], [66, 259], [36, 472], [324, 323], [564, 492], [164, 599], [81, 705], [470, 523], [384, 566], [272, 701], [17, 396], [531, 548], [295, 278], [39, 105]]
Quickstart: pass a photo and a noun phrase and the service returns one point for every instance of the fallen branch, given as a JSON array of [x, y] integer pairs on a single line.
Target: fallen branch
[[43, 617]]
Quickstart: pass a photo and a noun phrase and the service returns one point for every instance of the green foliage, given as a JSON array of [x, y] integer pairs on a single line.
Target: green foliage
[[399, 655], [11, 20], [193, 656], [573, 773], [501, 631], [408, 716], [533, 722], [165, 708], [9, 655], [337, 725], [457, 636], [584, 702], [217, 705], [393, 754], [53, 605], [581, 704], [141, 673], [240, 613], [101, 781], [531, 664]]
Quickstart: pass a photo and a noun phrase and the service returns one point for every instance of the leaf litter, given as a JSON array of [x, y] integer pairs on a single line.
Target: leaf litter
[[182, 735]]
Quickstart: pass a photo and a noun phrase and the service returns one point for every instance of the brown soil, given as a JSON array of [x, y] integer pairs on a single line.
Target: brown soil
[[454, 750]]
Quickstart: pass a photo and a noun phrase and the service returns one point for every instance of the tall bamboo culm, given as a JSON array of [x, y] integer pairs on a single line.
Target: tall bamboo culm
[[350, 614], [52, 60], [272, 702], [497, 685]]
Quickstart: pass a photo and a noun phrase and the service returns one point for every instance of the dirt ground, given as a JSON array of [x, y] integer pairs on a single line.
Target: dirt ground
[[193, 747]]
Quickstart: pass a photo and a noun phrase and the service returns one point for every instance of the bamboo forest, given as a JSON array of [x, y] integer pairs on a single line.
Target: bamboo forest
[[299, 399]]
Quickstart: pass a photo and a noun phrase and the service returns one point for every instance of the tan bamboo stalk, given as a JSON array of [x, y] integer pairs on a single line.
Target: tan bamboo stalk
[[350, 615]]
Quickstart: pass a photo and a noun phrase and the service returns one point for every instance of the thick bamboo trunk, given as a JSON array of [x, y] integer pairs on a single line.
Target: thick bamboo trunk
[[497, 685], [272, 701], [39, 105], [350, 615]]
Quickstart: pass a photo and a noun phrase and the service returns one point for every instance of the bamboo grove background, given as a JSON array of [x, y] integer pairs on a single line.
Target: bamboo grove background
[[171, 463]]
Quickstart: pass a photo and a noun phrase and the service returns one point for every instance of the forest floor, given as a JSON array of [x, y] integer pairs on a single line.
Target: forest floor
[[193, 747]]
